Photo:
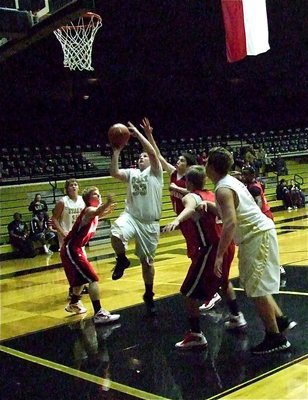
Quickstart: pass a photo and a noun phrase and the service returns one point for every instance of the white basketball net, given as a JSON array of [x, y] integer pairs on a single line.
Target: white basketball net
[[77, 41]]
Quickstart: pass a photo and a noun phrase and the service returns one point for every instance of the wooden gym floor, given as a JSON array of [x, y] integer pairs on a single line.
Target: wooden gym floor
[[47, 354]]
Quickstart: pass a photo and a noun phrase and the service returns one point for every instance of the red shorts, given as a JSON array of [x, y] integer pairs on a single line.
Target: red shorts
[[201, 283], [77, 268]]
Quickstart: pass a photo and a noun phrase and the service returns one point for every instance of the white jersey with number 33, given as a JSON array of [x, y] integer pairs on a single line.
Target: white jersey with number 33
[[144, 195]]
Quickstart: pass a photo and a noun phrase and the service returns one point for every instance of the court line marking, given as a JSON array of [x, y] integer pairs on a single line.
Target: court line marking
[[258, 378], [82, 375], [280, 292]]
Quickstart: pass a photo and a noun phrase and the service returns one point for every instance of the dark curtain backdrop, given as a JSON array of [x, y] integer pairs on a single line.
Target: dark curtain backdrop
[[165, 60]]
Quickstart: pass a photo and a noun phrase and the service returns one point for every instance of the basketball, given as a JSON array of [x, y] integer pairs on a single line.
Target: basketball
[[118, 135]]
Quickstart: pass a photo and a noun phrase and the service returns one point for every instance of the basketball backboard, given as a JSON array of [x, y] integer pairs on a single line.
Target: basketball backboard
[[23, 22]]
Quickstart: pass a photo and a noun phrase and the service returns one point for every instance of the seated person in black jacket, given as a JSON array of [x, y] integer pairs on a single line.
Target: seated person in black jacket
[[19, 236], [39, 231], [38, 205], [281, 166]]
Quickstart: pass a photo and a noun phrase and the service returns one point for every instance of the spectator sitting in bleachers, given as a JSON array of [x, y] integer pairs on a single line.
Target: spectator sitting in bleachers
[[268, 165], [19, 236], [38, 205], [238, 158], [297, 195], [280, 165], [283, 193], [250, 157], [264, 161], [39, 232]]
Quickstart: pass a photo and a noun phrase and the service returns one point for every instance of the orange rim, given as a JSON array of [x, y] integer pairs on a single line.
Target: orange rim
[[87, 15]]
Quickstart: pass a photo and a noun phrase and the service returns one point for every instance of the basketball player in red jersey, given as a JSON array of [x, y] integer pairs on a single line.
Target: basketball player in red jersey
[[76, 265], [256, 190], [176, 173], [205, 232]]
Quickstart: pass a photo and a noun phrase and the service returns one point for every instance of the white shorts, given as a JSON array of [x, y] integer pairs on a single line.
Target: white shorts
[[146, 235], [259, 264]]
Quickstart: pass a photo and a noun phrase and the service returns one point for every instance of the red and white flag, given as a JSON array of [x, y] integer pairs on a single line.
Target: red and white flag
[[246, 28]]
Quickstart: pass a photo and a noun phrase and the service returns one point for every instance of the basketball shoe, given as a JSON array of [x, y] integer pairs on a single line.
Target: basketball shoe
[[121, 264], [104, 317], [150, 305], [236, 322], [192, 340], [285, 324], [271, 343], [208, 305], [76, 308]]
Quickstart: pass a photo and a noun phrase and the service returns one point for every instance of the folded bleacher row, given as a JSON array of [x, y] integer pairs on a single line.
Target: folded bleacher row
[[25, 163], [292, 140]]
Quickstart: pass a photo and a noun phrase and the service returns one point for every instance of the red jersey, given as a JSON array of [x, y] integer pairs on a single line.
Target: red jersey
[[256, 189], [79, 235], [74, 259], [205, 229], [176, 197]]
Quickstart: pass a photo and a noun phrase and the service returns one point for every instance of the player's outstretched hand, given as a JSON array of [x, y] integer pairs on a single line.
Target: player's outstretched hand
[[146, 126], [173, 186], [202, 207], [172, 226], [109, 206], [133, 130]]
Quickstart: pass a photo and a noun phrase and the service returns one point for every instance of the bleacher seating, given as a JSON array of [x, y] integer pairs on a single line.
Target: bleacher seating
[[17, 198], [38, 164]]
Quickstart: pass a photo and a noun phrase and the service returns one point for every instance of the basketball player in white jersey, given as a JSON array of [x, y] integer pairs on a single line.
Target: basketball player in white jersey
[[67, 210], [258, 254], [140, 220]]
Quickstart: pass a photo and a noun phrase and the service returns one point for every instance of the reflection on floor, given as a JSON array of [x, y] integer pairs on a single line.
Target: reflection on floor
[[136, 358]]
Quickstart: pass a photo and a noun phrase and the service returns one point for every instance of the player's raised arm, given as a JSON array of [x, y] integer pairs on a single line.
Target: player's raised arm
[[101, 211], [148, 131], [118, 135], [115, 171], [148, 148]]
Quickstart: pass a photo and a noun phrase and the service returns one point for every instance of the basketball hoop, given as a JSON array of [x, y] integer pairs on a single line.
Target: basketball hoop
[[77, 41]]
